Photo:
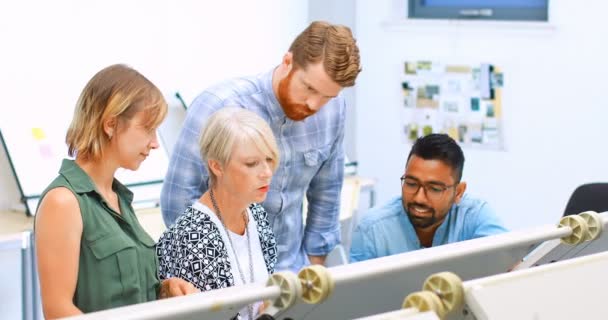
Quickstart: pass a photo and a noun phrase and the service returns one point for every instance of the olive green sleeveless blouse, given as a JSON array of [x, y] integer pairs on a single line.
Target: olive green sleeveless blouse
[[118, 264]]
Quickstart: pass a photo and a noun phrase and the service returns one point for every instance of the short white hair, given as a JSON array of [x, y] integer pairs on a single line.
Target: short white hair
[[230, 125]]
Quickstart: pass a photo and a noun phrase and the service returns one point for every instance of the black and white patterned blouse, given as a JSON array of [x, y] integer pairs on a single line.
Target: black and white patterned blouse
[[193, 249]]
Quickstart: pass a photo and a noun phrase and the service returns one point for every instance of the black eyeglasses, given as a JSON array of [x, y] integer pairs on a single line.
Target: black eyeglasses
[[433, 191]]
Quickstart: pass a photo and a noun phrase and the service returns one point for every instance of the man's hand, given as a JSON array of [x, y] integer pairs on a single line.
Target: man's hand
[[175, 287], [317, 259]]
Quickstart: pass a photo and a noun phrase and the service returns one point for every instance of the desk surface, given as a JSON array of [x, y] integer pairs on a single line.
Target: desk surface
[[14, 222]]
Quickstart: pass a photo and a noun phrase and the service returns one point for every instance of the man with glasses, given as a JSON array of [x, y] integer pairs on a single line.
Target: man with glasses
[[432, 209]]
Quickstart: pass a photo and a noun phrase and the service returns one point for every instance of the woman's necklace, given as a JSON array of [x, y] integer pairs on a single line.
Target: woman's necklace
[[238, 265]]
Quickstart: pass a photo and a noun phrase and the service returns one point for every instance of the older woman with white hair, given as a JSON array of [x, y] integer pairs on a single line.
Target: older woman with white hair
[[224, 238]]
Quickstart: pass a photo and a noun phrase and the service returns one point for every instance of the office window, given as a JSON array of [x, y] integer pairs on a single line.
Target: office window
[[522, 10]]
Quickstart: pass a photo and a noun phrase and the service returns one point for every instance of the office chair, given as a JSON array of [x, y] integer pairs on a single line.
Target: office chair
[[591, 196]]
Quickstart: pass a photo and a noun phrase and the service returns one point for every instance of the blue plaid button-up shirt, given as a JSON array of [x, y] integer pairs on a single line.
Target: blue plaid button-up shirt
[[312, 163]]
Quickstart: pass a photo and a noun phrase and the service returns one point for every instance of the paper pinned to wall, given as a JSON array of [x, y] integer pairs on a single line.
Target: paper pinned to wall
[[463, 101]]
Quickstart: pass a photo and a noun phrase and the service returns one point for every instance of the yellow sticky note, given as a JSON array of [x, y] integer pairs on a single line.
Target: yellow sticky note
[[38, 134], [453, 133]]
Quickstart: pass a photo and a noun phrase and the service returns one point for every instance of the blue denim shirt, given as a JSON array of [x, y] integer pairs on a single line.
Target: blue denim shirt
[[312, 163], [387, 230]]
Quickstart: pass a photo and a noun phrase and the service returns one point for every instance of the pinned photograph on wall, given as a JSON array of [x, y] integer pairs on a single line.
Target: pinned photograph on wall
[[408, 96], [490, 134], [489, 110], [410, 68], [411, 131], [458, 69], [427, 129], [428, 96], [474, 104], [450, 106], [462, 133], [485, 83], [497, 81], [475, 132], [449, 128], [475, 74], [453, 133], [424, 65]]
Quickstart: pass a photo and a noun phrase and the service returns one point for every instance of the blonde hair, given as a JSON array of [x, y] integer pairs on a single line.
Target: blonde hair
[[116, 91], [331, 44], [228, 126]]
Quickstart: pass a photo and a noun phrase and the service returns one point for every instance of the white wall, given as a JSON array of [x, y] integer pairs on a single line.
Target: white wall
[[341, 12], [554, 102], [51, 48]]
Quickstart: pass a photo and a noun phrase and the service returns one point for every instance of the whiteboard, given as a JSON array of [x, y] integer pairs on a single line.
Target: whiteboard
[[35, 153]]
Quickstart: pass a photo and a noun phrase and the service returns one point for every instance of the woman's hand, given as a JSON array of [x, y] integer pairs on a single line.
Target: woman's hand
[[175, 287], [263, 306]]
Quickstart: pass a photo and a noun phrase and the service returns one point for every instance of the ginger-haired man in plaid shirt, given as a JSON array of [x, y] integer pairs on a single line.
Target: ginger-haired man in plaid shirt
[[300, 99]]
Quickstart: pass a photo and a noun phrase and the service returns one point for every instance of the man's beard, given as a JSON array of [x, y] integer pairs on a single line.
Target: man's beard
[[421, 222], [293, 111]]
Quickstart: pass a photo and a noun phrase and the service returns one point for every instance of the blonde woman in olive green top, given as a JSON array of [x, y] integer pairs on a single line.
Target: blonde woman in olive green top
[[92, 252]]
